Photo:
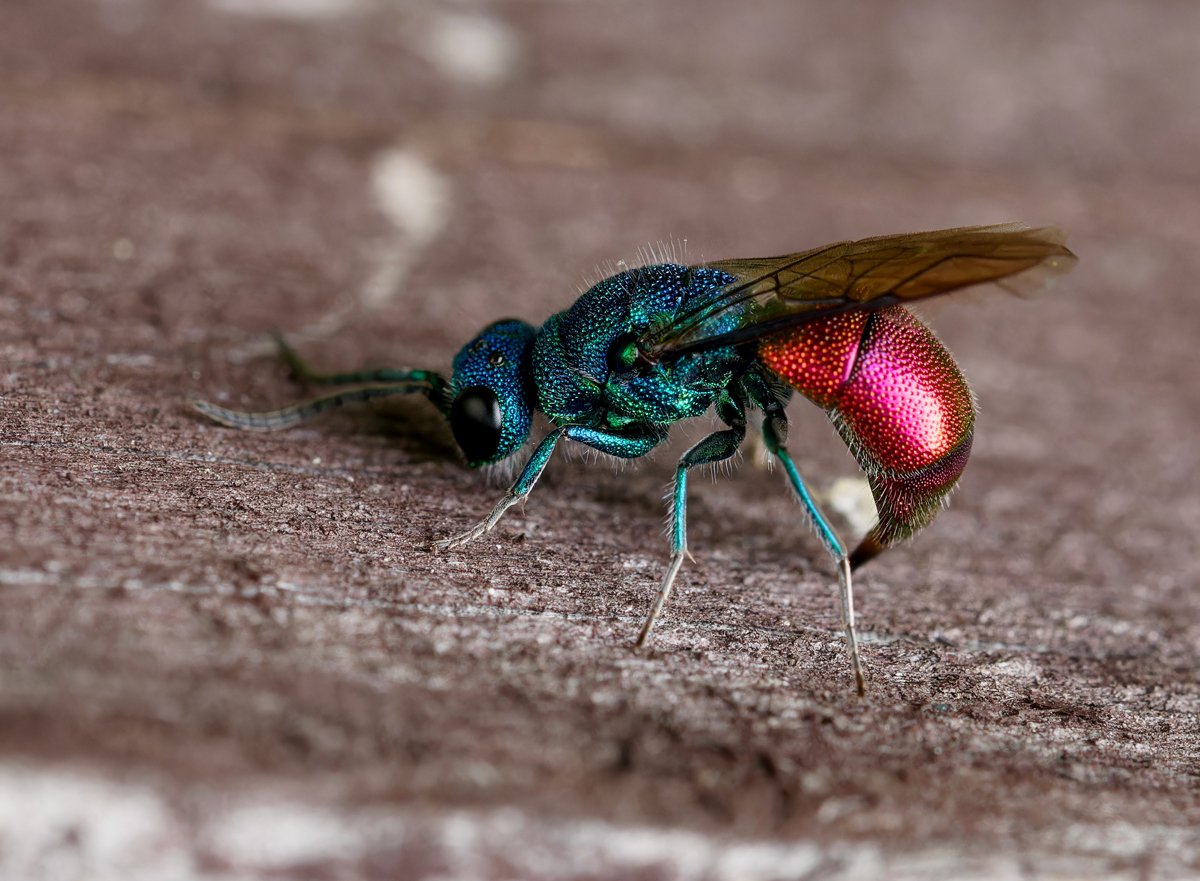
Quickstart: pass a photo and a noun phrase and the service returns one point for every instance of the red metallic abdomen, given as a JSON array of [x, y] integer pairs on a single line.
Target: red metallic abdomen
[[898, 399]]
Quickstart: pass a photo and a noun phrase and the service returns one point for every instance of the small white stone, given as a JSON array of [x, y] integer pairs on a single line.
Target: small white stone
[[474, 49]]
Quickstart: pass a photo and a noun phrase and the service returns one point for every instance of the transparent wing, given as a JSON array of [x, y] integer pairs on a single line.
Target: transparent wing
[[774, 293]]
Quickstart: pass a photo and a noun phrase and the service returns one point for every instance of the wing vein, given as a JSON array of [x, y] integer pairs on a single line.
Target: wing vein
[[768, 295]]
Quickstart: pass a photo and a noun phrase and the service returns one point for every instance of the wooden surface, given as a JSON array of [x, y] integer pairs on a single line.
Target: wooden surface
[[228, 655]]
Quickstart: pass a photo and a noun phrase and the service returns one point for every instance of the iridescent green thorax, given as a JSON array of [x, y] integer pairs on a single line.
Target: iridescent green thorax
[[584, 357]]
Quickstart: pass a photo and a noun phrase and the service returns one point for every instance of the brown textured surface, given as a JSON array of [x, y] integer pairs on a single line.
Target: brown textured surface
[[207, 634]]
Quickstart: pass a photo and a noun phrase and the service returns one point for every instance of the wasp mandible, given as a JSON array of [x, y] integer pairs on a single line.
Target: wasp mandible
[[648, 347]]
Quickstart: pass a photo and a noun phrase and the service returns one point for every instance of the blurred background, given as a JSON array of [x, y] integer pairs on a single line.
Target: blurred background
[[234, 656]]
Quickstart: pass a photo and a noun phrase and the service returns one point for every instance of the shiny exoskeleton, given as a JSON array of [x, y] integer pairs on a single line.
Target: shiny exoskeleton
[[649, 347]]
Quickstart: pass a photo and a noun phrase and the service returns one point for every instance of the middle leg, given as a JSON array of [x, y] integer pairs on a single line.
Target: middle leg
[[718, 446]]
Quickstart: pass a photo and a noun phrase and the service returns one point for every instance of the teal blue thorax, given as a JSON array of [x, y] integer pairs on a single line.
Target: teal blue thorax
[[578, 367], [582, 357]]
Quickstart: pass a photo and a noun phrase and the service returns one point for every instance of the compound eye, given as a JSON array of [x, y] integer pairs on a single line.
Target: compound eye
[[475, 419]]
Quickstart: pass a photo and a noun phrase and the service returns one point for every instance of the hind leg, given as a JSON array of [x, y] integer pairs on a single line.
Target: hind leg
[[775, 434]]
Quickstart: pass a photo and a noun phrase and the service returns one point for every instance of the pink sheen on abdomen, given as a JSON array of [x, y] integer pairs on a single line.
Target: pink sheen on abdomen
[[892, 382]]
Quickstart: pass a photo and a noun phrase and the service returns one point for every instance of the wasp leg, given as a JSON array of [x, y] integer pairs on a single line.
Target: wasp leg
[[635, 442], [718, 446], [774, 433], [275, 420]]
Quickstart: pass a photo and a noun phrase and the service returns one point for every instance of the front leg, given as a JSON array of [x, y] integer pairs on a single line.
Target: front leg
[[628, 444]]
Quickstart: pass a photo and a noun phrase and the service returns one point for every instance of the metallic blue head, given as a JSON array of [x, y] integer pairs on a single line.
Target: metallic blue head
[[491, 408]]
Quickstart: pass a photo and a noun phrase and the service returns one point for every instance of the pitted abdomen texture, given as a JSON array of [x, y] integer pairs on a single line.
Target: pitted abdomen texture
[[897, 398]]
